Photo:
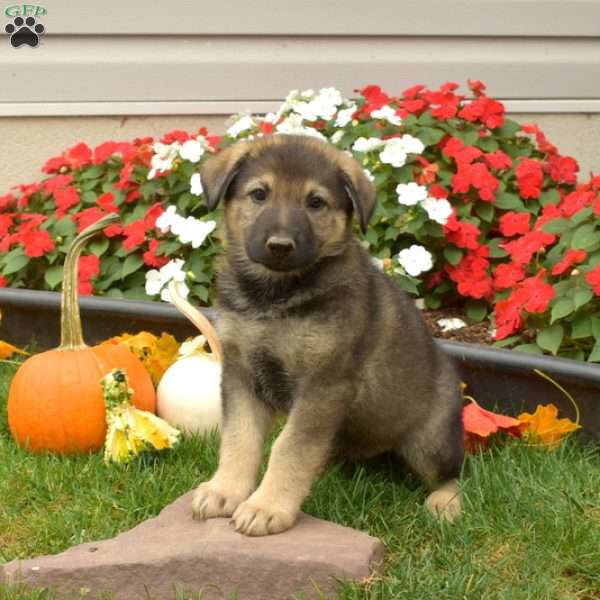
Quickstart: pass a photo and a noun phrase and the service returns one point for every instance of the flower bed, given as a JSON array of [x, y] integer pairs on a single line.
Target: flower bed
[[473, 208]]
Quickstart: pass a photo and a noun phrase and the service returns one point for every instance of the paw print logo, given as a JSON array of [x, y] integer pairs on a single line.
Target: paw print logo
[[24, 31]]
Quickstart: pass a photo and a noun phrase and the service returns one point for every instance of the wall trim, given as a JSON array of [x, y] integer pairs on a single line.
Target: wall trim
[[227, 107]]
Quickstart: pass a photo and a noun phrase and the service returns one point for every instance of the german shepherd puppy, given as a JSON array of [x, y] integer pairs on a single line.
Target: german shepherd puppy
[[311, 327]]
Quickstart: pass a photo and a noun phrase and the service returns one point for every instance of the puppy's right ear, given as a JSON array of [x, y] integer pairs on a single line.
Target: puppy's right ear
[[219, 171]]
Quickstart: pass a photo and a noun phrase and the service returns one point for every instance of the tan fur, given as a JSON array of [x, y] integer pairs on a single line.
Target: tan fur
[[329, 340]]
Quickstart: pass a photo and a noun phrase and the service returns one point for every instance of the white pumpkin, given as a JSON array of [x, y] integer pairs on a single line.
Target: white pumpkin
[[189, 392]]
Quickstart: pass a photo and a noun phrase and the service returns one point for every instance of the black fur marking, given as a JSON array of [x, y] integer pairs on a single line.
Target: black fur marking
[[272, 384]]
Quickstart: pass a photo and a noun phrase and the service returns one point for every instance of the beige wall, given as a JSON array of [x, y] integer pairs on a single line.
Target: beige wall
[[27, 142]]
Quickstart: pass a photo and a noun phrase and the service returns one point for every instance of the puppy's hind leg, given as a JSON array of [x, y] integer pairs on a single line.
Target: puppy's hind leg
[[435, 453]]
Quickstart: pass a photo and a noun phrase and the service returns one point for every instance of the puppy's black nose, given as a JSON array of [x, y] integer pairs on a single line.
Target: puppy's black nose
[[280, 246]]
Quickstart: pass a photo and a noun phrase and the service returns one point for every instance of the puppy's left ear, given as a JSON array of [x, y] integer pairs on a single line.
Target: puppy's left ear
[[219, 171], [359, 189]]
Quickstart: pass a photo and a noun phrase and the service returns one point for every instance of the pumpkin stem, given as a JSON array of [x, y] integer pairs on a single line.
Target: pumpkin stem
[[198, 319], [71, 336]]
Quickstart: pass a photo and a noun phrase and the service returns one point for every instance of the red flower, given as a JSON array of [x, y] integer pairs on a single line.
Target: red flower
[[508, 318], [104, 151], [106, 202], [113, 230], [85, 218], [37, 242], [530, 177], [549, 213], [543, 144], [485, 110], [177, 135], [89, 267], [478, 176], [461, 233], [563, 169], [477, 87], [124, 177], [152, 214], [266, 128], [6, 201], [575, 201], [135, 234], [65, 198], [522, 249], [57, 182], [507, 275], [535, 294], [75, 157], [444, 102], [150, 257], [471, 274], [7, 242], [593, 278], [3, 281], [570, 259], [456, 149], [132, 196], [375, 98], [498, 160], [6, 222], [514, 223], [437, 191]]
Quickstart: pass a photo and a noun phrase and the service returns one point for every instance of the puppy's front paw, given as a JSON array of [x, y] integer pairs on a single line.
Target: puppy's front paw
[[212, 500], [254, 518], [445, 503]]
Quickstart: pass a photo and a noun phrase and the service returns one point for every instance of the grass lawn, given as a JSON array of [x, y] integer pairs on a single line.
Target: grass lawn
[[531, 528]]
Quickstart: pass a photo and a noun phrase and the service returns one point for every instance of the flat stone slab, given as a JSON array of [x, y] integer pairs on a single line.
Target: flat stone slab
[[173, 552]]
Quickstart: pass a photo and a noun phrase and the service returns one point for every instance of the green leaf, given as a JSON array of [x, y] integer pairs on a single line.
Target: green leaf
[[485, 210], [135, 293], [549, 197], [131, 264], [596, 327], [581, 297], [64, 227], [562, 308], [53, 276], [506, 341], [202, 292], [16, 263], [370, 236], [477, 310], [557, 225], [581, 215], [91, 172], [595, 353], [391, 233], [407, 284], [430, 135], [89, 197], [581, 327], [488, 144], [550, 338], [528, 348], [509, 129], [495, 250], [432, 301], [585, 236], [99, 246], [453, 255], [507, 201]]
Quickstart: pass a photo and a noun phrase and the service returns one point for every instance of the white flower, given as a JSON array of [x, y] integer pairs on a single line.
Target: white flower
[[412, 145], [369, 175], [420, 303], [196, 185], [165, 220], [162, 160], [411, 193], [294, 125], [415, 260], [193, 150], [193, 346], [192, 231], [363, 144], [159, 165], [451, 324], [378, 262], [438, 210], [394, 153], [337, 136], [345, 116], [242, 124], [388, 114], [330, 96], [157, 280], [154, 282]]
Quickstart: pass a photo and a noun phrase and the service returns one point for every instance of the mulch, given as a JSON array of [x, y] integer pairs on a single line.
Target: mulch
[[474, 332]]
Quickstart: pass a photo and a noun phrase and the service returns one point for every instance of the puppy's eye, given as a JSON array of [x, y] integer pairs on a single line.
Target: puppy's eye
[[316, 203], [258, 195]]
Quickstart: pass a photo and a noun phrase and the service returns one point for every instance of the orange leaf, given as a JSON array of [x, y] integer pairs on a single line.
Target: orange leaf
[[479, 424], [544, 426], [7, 350]]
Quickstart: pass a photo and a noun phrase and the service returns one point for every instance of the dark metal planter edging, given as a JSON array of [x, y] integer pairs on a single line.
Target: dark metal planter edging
[[497, 379]]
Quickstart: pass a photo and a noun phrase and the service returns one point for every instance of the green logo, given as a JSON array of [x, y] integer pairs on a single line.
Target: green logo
[[25, 10]]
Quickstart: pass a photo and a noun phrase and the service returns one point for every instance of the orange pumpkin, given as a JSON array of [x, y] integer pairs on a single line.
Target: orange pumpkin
[[55, 401]]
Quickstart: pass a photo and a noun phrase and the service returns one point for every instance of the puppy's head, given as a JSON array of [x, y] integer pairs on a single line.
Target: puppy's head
[[289, 199]]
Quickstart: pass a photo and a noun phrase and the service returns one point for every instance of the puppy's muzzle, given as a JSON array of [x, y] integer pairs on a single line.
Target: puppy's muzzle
[[280, 247]]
